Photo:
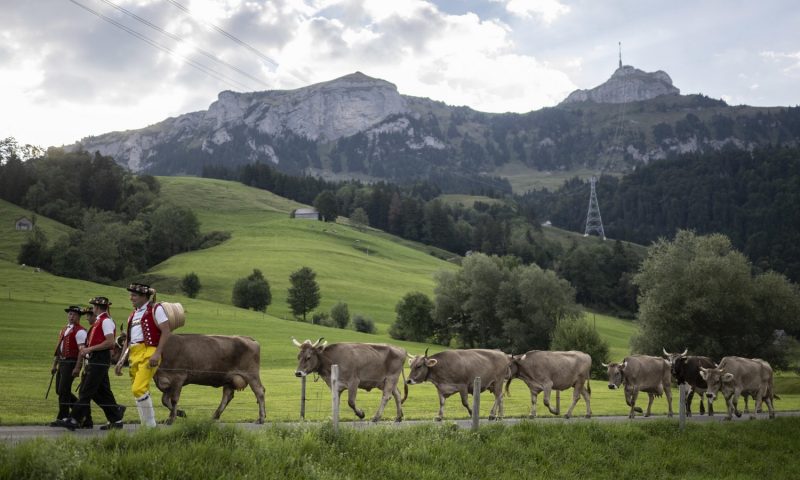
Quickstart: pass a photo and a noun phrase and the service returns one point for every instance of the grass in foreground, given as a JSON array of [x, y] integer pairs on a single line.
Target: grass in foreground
[[651, 450]]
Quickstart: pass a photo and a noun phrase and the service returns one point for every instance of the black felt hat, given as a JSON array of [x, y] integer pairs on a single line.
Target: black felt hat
[[74, 308]]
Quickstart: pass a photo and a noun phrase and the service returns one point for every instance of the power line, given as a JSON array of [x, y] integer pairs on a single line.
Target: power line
[[223, 32], [199, 66], [182, 40]]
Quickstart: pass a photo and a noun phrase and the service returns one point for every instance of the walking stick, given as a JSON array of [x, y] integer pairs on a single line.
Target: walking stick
[[49, 386]]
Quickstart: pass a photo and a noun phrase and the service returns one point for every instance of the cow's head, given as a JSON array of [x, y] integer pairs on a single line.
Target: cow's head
[[514, 365], [675, 360], [308, 358], [615, 374], [718, 380], [420, 367]]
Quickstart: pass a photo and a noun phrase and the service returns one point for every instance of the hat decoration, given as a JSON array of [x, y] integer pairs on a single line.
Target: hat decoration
[[99, 301], [139, 288], [74, 308]]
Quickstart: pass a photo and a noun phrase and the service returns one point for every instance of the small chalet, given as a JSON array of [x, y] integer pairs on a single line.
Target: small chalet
[[23, 223], [305, 213]]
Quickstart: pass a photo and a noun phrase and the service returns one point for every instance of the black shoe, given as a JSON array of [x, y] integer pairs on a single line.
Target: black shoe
[[56, 423], [68, 423], [87, 426], [111, 426]]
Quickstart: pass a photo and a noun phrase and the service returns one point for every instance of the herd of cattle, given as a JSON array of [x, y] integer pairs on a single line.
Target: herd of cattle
[[233, 362]]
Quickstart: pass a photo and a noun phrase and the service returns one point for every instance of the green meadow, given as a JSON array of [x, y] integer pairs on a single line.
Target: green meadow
[[368, 270]]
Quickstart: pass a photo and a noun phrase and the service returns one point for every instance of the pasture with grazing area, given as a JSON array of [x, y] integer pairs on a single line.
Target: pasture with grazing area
[[263, 237]]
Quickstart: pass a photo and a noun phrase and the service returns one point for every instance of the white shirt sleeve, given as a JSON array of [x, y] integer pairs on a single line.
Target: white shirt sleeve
[[160, 314], [108, 326], [80, 337]]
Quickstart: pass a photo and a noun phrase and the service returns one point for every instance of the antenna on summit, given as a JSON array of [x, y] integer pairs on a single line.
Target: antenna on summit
[[620, 54], [593, 221]]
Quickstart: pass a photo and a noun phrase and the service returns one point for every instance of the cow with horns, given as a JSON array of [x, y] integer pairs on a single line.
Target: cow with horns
[[686, 369], [641, 373], [454, 371], [361, 365], [545, 371]]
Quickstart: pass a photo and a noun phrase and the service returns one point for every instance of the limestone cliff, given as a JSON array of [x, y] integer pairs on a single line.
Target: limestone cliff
[[627, 84]]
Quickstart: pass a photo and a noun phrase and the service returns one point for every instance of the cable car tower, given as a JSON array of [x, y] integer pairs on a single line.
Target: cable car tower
[[594, 223]]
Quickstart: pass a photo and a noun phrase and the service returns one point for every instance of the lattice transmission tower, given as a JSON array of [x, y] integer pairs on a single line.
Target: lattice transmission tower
[[594, 223]]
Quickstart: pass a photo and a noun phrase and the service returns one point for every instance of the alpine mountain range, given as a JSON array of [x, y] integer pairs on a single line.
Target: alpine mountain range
[[361, 127]]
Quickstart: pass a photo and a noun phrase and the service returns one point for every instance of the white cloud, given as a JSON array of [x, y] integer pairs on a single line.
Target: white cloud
[[548, 11], [790, 58]]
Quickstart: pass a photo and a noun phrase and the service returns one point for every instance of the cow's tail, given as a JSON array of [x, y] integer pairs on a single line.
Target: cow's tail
[[405, 387], [589, 385], [508, 382]]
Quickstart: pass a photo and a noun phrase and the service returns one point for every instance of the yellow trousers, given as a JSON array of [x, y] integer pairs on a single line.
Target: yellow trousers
[[140, 370]]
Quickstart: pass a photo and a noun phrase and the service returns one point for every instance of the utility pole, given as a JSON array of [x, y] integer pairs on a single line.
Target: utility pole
[[593, 221]]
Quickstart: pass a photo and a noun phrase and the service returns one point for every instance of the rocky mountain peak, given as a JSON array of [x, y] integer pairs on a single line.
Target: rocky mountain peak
[[627, 84]]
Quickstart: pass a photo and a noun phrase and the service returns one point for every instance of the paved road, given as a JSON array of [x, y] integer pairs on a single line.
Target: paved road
[[18, 434]]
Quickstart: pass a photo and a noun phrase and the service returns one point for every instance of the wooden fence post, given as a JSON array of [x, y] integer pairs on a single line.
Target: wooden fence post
[[476, 404], [682, 406], [335, 396], [303, 397]]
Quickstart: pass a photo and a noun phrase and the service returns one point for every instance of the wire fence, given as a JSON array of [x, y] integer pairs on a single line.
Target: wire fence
[[289, 398]]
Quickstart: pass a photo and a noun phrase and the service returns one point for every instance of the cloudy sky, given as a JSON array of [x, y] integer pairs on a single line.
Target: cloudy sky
[[66, 72]]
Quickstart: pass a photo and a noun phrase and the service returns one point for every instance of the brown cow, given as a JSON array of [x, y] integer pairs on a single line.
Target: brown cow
[[740, 376], [641, 373], [361, 365], [544, 371], [454, 371], [230, 362]]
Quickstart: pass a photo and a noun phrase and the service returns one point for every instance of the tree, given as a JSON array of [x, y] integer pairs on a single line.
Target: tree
[[340, 315], [414, 318], [325, 203], [698, 292], [172, 230], [252, 292], [190, 285], [495, 302], [34, 251], [359, 218], [304, 293], [577, 334]]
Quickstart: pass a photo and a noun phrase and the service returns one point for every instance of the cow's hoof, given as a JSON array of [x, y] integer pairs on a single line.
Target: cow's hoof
[[630, 416], [588, 415], [647, 414], [492, 417], [398, 419], [260, 421], [771, 416], [638, 409], [437, 419], [670, 415], [360, 415], [567, 416], [169, 421], [181, 413], [375, 419], [728, 419], [738, 414]]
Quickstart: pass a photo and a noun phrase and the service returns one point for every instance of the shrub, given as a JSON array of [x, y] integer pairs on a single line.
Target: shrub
[[340, 315], [363, 324], [190, 285], [577, 334], [252, 292]]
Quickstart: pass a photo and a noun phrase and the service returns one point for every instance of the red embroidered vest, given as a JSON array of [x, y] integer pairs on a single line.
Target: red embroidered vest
[[96, 336], [151, 332], [69, 347]]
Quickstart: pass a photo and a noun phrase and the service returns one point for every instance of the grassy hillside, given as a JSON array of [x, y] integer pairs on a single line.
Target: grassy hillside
[[11, 239], [369, 272]]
